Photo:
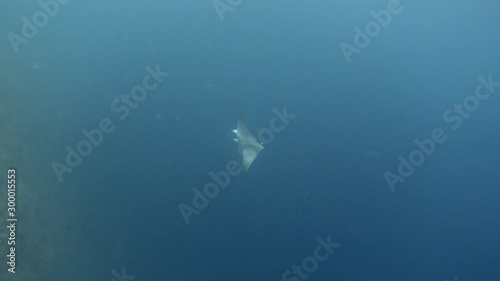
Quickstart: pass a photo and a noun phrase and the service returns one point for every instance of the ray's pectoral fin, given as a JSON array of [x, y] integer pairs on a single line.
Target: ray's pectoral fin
[[249, 155], [250, 146]]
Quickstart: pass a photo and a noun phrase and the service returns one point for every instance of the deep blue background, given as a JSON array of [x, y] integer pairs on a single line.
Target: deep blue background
[[323, 175]]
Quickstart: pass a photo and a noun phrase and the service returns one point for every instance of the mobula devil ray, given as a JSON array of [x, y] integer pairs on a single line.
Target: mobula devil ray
[[250, 147]]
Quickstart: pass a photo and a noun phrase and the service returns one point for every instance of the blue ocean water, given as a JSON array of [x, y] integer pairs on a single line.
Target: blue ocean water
[[379, 121]]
